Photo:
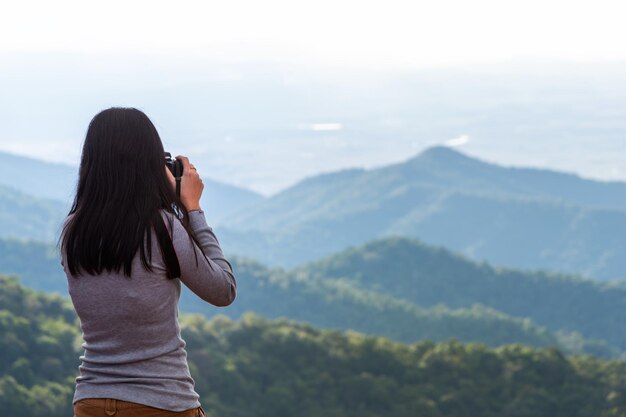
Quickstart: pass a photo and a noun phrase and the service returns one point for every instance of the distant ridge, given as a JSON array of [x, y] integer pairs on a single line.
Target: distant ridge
[[25, 217], [43, 179], [518, 217], [441, 155], [53, 184], [448, 166]]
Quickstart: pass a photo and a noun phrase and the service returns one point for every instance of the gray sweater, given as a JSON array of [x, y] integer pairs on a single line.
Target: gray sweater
[[132, 341]]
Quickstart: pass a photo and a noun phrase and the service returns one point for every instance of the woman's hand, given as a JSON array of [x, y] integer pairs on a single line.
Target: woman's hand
[[191, 185]]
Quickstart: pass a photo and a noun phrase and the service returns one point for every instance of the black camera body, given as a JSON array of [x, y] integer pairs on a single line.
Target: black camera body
[[176, 168], [174, 165]]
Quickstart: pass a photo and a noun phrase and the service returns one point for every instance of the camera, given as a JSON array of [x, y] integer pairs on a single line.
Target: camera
[[176, 168], [174, 165]]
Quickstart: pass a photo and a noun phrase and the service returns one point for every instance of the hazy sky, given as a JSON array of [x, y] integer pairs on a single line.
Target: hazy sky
[[268, 92], [386, 33]]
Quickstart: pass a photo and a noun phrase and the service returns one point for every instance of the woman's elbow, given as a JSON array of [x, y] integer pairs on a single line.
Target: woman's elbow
[[229, 296]]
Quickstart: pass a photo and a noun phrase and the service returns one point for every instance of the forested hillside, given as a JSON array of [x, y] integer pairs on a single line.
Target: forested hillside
[[23, 216], [409, 270], [255, 367], [36, 263], [341, 305], [405, 290]]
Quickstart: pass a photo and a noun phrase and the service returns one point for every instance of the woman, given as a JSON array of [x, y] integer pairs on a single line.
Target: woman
[[126, 245]]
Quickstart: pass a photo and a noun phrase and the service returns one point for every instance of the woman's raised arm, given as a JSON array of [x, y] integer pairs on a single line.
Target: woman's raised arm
[[212, 279]]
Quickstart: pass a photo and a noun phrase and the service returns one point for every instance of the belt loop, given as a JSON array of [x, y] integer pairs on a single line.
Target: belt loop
[[110, 408]]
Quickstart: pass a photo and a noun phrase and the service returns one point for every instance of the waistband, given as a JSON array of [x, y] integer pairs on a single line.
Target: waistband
[[111, 405]]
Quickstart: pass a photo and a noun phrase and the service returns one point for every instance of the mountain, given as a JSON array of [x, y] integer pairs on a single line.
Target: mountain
[[45, 195], [515, 217], [326, 293], [409, 270], [338, 304], [522, 218], [219, 200], [38, 178], [449, 168], [327, 303], [26, 217], [261, 367], [36, 263]]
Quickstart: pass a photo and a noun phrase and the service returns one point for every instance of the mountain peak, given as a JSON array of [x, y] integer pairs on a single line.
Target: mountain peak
[[441, 154]]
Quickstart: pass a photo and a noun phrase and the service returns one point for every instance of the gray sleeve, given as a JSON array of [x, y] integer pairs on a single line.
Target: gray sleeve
[[212, 279]]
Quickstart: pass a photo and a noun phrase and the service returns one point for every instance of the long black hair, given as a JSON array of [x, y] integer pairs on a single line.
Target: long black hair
[[122, 186]]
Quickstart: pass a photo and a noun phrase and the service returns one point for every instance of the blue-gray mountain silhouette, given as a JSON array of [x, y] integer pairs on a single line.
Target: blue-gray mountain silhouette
[[42, 192], [516, 217]]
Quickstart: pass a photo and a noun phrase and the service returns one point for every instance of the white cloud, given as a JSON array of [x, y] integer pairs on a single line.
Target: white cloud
[[323, 127], [460, 141]]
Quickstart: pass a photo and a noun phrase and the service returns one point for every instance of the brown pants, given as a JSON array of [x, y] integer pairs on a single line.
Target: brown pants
[[108, 407]]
